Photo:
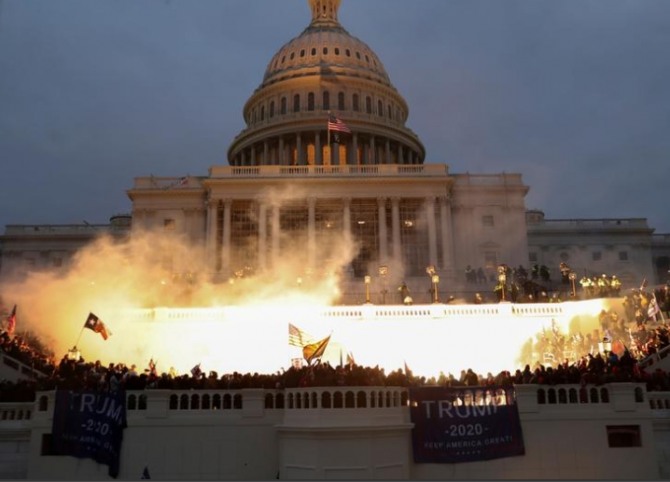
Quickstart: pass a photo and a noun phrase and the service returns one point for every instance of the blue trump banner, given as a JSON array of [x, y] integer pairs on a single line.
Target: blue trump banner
[[464, 424], [90, 425]]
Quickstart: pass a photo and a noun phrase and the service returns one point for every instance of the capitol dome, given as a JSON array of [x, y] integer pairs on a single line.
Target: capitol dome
[[324, 72]]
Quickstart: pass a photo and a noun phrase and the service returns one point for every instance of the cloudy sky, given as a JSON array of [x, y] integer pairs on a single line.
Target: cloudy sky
[[572, 94]]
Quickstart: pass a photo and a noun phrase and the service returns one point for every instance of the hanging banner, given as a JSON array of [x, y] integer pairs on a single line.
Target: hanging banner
[[90, 425], [464, 424]]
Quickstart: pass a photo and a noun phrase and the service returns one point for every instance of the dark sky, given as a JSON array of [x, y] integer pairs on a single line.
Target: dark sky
[[572, 94]]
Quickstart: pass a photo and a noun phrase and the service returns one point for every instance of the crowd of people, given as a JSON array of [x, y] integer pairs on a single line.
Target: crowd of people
[[593, 368]]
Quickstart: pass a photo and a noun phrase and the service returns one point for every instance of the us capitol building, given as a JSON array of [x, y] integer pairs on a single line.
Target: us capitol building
[[326, 167]]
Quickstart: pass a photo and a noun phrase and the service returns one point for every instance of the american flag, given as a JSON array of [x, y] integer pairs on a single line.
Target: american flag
[[297, 337], [335, 124]]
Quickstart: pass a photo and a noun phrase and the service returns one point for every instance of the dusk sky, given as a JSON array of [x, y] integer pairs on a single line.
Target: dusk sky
[[572, 94]]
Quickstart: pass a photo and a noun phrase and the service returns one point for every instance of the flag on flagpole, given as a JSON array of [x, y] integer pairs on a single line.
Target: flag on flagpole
[[335, 124], [11, 321], [315, 351], [94, 323], [653, 309], [297, 337]]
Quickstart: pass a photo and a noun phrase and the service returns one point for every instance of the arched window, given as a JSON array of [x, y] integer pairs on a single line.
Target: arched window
[[283, 106], [337, 51], [340, 101], [313, 50], [296, 103], [326, 100], [368, 104], [310, 101], [325, 51], [302, 52], [347, 52]]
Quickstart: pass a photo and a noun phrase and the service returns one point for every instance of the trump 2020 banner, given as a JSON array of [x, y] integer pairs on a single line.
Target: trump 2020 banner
[[90, 425], [464, 424]]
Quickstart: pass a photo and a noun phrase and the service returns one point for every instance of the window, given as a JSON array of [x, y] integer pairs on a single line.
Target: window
[[310, 101], [326, 100], [347, 52], [325, 51], [340, 101], [283, 106], [596, 256], [313, 51], [168, 224], [354, 102], [292, 55], [358, 55], [624, 436], [337, 51], [487, 220], [623, 255], [296, 103], [302, 52]]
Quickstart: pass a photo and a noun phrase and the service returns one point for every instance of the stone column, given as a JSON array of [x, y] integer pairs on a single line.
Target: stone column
[[395, 226], [373, 151], [383, 237], [432, 234], [262, 234], [212, 211], [447, 229], [276, 231], [265, 152], [353, 157], [300, 156], [388, 151], [335, 154], [252, 160], [225, 243], [318, 152], [311, 233], [346, 219], [281, 155], [399, 160]]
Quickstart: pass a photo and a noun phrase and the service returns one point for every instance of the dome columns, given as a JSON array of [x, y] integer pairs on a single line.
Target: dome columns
[[311, 148]]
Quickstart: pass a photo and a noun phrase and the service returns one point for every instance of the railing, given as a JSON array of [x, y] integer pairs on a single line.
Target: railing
[[421, 170], [655, 357], [20, 367], [659, 402]]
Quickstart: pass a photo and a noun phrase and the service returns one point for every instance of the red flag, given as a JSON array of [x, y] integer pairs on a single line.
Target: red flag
[[11, 321], [94, 323]]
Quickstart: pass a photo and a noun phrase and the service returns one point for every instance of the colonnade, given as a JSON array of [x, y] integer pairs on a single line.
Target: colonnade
[[309, 148], [437, 236]]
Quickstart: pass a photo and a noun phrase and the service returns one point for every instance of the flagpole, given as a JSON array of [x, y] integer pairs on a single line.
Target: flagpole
[[328, 142], [79, 337]]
